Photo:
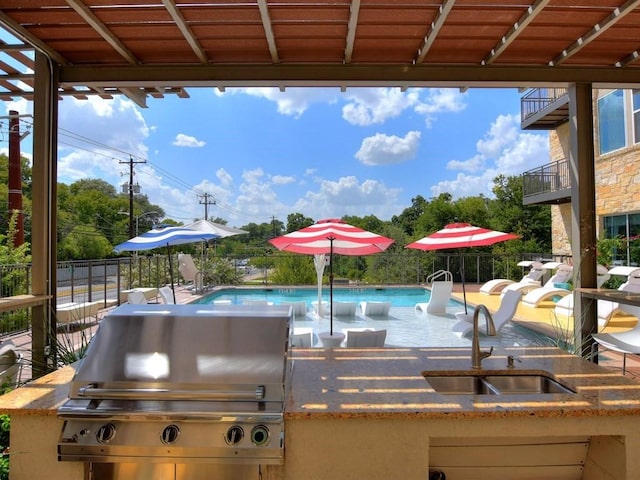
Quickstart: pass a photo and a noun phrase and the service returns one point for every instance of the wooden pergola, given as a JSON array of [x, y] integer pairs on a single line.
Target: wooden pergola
[[154, 48]]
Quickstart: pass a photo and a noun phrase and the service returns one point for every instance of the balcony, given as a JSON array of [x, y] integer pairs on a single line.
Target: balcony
[[548, 184], [544, 108]]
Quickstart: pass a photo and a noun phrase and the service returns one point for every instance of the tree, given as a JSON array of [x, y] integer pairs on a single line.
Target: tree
[[508, 214], [407, 220], [296, 221], [84, 242]]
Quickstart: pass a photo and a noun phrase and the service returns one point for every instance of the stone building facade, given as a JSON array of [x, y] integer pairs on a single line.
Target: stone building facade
[[617, 180]]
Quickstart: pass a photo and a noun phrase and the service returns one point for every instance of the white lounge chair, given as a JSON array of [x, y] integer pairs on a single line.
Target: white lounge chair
[[136, 297], [365, 338], [504, 314], [302, 337], [189, 271], [376, 309], [533, 278], [323, 306], [564, 306], [299, 308], [554, 287], [344, 309], [441, 283], [10, 366], [250, 301], [76, 311], [167, 295], [624, 342], [607, 309]]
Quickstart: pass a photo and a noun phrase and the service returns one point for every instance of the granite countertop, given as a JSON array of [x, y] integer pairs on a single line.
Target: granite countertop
[[387, 383]]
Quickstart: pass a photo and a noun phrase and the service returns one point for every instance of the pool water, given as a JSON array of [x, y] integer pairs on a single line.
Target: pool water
[[398, 296], [405, 327]]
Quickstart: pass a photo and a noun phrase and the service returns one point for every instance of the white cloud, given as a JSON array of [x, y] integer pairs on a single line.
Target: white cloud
[[504, 150], [224, 177], [293, 101], [370, 106], [98, 137], [473, 164], [282, 179], [388, 149], [183, 140], [349, 196]]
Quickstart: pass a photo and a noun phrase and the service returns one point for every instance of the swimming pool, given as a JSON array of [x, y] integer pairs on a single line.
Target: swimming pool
[[405, 327], [398, 296]]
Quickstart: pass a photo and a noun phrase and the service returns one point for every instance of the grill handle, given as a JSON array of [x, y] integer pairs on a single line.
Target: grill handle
[[93, 392]]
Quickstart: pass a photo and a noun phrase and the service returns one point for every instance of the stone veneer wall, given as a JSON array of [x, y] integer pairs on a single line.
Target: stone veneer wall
[[617, 178]]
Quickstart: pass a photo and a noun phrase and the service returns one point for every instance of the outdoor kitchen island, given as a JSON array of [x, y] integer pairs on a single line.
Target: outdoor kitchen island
[[370, 414]]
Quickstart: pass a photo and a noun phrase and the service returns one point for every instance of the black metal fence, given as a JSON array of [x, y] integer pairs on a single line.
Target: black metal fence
[[104, 280]]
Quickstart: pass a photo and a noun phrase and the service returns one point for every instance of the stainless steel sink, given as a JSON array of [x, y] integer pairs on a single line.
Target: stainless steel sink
[[533, 384], [508, 383], [460, 385]]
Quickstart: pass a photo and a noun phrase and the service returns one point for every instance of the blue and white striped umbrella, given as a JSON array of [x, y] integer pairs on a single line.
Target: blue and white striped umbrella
[[164, 237]]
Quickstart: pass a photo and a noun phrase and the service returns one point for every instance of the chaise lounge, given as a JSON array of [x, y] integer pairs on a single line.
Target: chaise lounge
[[556, 286], [533, 278], [440, 294], [505, 313], [375, 309]]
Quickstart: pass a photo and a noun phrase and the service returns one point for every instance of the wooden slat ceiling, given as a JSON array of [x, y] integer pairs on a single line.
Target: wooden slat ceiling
[[155, 47]]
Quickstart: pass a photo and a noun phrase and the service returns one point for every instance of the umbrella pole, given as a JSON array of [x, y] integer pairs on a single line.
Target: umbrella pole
[[464, 293], [173, 290], [331, 286]]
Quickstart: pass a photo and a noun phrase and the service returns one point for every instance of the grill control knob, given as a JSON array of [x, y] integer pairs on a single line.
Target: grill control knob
[[170, 434], [260, 435], [106, 433], [234, 435]]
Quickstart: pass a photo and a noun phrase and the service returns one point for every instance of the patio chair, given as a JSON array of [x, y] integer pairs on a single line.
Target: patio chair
[[302, 337], [366, 338], [505, 313], [10, 366], [136, 297], [167, 295], [533, 278]]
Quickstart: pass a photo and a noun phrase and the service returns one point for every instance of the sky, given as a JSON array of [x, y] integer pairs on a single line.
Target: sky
[[261, 153]]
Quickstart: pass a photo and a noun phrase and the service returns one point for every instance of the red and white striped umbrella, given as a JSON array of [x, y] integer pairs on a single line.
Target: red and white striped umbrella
[[461, 235], [332, 236], [328, 237]]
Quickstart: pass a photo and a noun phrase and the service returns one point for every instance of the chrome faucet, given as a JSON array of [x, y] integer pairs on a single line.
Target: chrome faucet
[[476, 355]]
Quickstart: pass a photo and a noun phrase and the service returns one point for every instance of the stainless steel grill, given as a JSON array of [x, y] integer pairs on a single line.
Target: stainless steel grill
[[180, 391]]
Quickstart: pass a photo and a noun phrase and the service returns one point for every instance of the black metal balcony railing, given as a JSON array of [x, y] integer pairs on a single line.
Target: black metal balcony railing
[[538, 99], [547, 180]]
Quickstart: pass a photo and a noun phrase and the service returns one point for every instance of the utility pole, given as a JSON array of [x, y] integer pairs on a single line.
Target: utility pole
[[131, 190], [206, 199]]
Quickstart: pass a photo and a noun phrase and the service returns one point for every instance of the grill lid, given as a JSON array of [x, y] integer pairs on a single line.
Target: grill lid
[[187, 352]]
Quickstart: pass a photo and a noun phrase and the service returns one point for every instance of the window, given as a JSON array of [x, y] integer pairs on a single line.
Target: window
[[626, 227], [636, 116], [611, 121]]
